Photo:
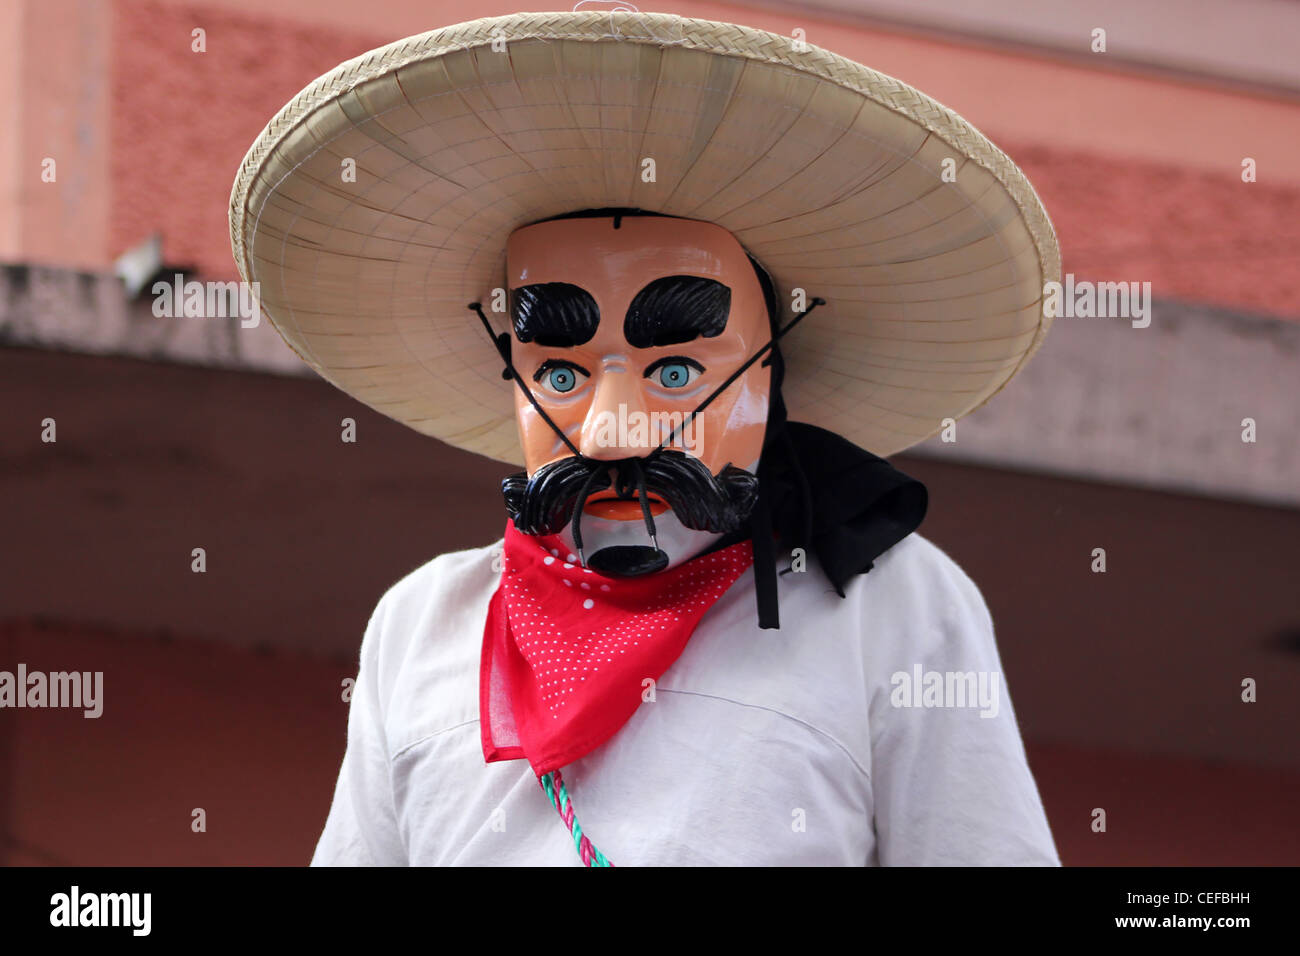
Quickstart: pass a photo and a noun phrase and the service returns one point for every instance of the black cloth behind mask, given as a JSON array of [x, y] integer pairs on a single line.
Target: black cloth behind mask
[[820, 492]]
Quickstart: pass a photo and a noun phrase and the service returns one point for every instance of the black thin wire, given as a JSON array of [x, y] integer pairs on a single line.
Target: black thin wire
[[735, 375], [577, 513], [503, 350], [643, 497]]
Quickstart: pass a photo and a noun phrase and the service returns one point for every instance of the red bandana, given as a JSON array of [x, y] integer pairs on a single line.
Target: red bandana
[[566, 651]]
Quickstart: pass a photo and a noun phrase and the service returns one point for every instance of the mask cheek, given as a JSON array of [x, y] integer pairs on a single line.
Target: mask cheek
[[734, 436], [540, 444]]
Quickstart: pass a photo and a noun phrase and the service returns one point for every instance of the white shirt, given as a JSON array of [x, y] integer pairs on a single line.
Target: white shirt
[[761, 747]]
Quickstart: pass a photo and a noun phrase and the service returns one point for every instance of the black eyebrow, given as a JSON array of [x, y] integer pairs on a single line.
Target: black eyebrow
[[676, 309], [555, 314]]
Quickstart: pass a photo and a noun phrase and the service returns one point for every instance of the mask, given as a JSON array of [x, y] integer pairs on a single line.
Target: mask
[[621, 327]]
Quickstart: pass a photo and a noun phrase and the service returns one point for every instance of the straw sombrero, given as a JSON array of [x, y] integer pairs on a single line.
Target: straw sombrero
[[830, 174]]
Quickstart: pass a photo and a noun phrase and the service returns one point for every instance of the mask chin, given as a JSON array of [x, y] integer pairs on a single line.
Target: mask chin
[[623, 548]]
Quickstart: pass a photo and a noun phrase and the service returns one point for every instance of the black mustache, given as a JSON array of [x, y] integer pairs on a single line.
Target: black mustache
[[545, 502]]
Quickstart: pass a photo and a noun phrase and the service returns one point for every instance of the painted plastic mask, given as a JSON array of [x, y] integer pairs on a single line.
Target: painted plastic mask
[[622, 327]]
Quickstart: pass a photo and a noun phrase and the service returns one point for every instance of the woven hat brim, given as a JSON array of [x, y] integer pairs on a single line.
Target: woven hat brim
[[927, 242]]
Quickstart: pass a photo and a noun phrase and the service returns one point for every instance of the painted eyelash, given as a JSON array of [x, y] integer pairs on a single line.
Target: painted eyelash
[[672, 360], [558, 363]]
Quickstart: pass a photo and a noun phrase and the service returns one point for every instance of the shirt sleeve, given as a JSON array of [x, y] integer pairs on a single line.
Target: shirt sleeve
[[361, 829], [952, 784]]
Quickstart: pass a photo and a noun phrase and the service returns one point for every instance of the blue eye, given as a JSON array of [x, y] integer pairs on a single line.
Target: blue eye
[[562, 379], [675, 375]]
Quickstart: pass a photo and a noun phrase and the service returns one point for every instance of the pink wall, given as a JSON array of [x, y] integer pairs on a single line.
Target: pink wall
[[1194, 235], [55, 75], [182, 121], [1141, 175], [11, 117]]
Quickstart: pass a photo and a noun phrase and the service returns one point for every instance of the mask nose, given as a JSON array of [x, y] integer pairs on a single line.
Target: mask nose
[[616, 425]]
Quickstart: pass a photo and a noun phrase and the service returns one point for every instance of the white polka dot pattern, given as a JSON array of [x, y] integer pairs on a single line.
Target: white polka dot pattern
[[584, 644]]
